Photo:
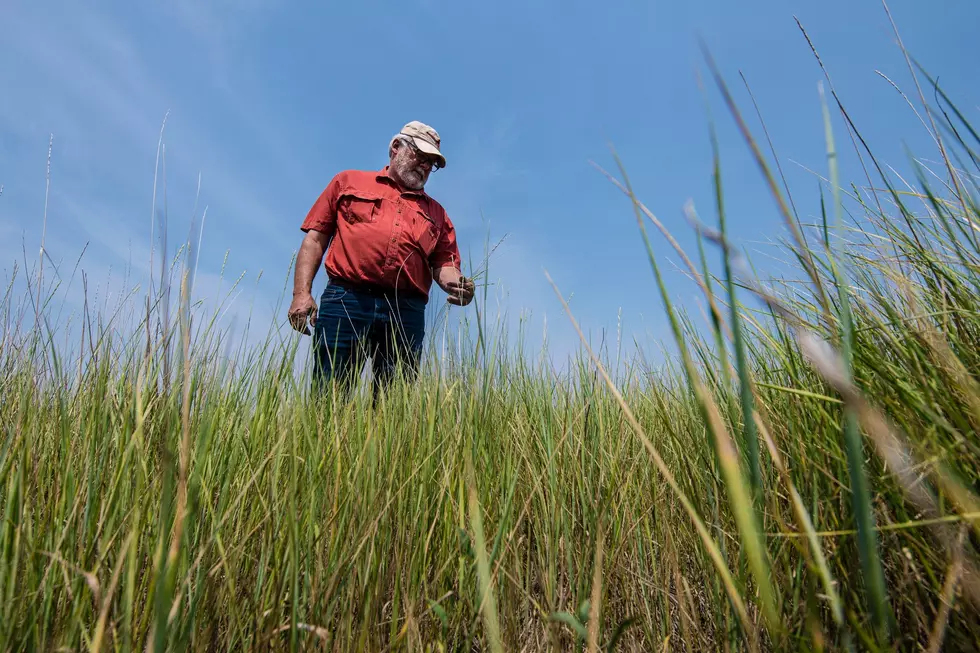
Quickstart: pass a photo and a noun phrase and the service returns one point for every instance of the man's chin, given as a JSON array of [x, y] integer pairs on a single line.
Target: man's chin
[[411, 180]]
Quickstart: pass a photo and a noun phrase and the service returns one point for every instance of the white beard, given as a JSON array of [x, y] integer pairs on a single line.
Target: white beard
[[411, 177]]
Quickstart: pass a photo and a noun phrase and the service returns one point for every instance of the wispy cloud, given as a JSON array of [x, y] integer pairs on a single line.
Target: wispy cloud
[[86, 77]]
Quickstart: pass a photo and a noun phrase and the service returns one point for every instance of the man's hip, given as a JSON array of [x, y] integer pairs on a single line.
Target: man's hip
[[350, 310]]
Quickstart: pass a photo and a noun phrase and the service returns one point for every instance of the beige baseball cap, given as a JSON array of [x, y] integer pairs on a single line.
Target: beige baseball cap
[[425, 138]]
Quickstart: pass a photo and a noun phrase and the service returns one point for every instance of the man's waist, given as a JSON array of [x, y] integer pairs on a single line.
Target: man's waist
[[375, 289]]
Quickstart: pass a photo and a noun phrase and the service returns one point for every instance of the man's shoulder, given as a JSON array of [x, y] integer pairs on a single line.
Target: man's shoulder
[[356, 178]]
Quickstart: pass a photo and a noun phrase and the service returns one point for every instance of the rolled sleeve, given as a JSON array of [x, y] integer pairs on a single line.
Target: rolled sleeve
[[446, 252], [323, 214]]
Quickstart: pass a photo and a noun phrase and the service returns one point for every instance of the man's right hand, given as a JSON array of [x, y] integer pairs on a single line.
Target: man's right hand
[[302, 313]]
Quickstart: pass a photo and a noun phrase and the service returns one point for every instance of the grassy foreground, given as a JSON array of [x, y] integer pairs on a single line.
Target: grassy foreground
[[802, 476]]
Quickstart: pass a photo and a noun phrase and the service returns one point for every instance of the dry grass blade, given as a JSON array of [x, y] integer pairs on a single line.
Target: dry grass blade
[[773, 187], [946, 360], [107, 602], [91, 580], [322, 633], [888, 444], [695, 275], [595, 601], [805, 523], [740, 497], [947, 596], [954, 177], [703, 534]]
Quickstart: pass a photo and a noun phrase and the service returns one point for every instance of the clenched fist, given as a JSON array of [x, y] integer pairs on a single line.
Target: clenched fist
[[302, 313]]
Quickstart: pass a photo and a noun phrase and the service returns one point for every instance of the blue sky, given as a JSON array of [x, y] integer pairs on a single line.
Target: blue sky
[[268, 100]]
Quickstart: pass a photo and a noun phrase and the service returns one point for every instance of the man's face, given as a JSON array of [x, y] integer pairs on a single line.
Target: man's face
[[409, 166]]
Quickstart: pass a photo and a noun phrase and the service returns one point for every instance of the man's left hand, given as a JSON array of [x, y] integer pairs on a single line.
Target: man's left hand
[[460, 292]]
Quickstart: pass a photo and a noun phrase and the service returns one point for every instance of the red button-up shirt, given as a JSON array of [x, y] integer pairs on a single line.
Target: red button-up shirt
[[381, 235]]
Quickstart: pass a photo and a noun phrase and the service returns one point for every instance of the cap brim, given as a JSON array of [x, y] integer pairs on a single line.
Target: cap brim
[[429, 148]]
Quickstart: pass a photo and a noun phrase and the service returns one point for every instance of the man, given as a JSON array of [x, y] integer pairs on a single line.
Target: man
[[388, 240]]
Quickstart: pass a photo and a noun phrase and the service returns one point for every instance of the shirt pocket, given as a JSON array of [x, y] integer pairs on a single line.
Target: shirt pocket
[[425, 233], [358, 206]]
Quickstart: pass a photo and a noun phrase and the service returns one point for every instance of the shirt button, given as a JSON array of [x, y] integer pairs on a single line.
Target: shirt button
[[392, 240]]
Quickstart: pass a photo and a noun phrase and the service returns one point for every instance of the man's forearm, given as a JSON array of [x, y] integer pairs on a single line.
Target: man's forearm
[[307, 262]]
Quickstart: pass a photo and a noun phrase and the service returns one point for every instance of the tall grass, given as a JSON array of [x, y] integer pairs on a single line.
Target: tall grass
[[804, 476]]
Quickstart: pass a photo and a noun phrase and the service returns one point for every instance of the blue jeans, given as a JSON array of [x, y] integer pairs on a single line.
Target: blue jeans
[[353, 325]]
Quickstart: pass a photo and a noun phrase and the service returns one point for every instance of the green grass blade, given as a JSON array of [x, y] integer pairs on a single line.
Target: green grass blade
[[750, 438], [488, 602], [873, 571], [740, 494]]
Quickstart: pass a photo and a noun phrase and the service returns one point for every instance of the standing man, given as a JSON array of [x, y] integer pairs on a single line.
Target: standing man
[[388, 240]]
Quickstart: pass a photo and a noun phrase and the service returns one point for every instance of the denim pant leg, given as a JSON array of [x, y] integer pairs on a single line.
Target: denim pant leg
[[342, 324], [398, 340]]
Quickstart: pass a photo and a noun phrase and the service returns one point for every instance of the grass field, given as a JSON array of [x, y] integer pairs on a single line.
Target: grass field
[[803, 475]]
